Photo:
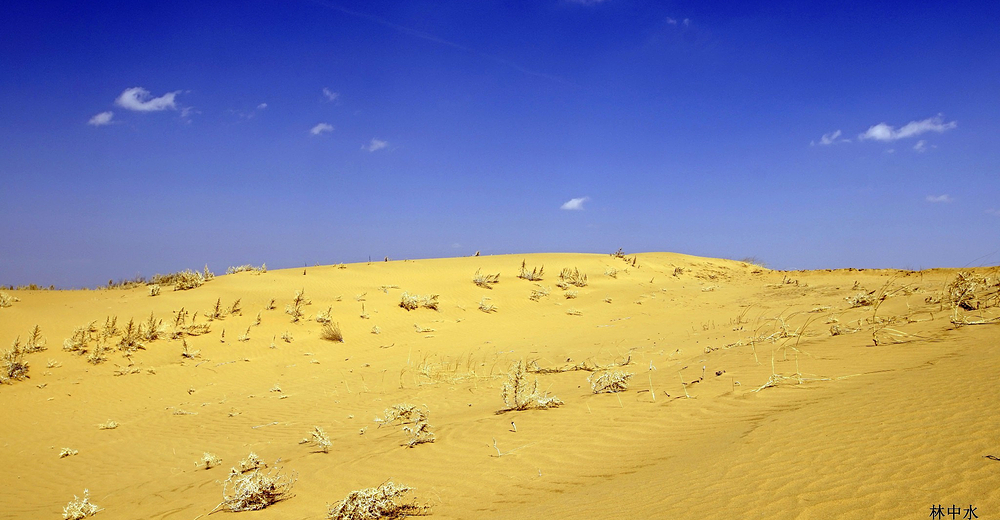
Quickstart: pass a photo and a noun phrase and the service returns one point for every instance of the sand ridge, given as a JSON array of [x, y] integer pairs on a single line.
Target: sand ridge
[[742, 402]]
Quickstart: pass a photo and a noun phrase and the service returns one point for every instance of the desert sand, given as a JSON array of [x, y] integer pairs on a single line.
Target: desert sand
[[754, 393]]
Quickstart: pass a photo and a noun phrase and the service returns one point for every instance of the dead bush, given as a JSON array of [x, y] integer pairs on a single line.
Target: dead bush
[[255, 490], [520, 391], [373, 503], [612, 381]]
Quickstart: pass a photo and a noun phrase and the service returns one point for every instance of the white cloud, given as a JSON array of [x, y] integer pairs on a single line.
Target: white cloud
[[671, 21], [574, 204], [884, 132], [262, 106], [330, 95], [939, 198], [831, 138], [375, 144], [920, 147], [320, 128], [687, 22], [137, 98], [104, 118]]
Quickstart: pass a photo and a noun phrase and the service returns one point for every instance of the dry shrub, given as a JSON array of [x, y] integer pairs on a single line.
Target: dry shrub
[[209, 461], [182, 280], [534, 275], [152, 329], [7, 300], [131, 339], [14, 367], [67, 452], [611, 271], [372, 503], [234, 309], [99, 354], [80, 508], [319, 439], [255, 490], [413, 420], [574, 277], [538, 293], [188, 353], [520, 391], [413, 301], [331, 332], [970, 291], [485, 306], [154, 290], [484, 280], [35, 343], [862, 299], [570, 294], [81, 336], [325, 316], [609, 382], [247, 268], [110, 425], [250, 462]]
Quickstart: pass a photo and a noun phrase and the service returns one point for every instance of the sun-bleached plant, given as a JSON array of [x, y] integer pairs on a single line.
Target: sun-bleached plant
[[7, 300], [247, 268], [485, 280], [486, 306], [373, 503], [250, 463], [154, 289], [99, 354], [151, 329], [413, 301], [534, 275], [324, 316], [568, 277], [611, 381], [67, 452], [13, 366], [331, 332], [131, 339], [538, 293], [208, 461], [861, 299], [80, 508], [520, 390], [318, 438], [110, 425], [35, 342], [611, 271], [413, 420], [255, 490], [234, 309]]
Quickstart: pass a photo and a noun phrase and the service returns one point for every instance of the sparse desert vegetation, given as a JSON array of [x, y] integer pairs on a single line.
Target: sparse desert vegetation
[[720, 363]]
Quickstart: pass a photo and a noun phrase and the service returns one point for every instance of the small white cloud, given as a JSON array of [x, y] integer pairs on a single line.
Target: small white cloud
[[687, 22], [939, 198], [891, 151], [262, 106], [829, 139], [920, 147], [884, 132], [330, 95], [574, 204], [375, 144], [104, 118], [138, 99], [320, 128], [671, 21]]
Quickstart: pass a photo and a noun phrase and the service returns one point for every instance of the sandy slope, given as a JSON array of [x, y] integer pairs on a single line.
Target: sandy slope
[[851, 430]]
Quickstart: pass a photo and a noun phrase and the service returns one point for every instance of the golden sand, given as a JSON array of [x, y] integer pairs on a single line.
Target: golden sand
[[742, 403]]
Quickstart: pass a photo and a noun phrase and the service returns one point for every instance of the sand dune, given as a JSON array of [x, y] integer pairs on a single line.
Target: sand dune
[[754, 393]]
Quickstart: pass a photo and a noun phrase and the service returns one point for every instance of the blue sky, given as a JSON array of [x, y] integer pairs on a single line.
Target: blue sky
[[149, 137]]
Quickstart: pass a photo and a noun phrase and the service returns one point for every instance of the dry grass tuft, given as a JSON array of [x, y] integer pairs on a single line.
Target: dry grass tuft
[[324, 316], [611, 271], [331, 332], [538, 293], [7, 300], [862, 299], [484, 280], [67, 452], [254, 490], [35, 343], [534, 275], [99, 354], [110, 425], [81, 336], [520, 391], [14, 367], [154, 289], [209, 461], [247, 268], [131, 339], [413, 420], [413, 301], [250, 463], [569, 277], [80, 508], [485, 306], [319, 439], [374, 503], [609, 382], [182, 280]]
